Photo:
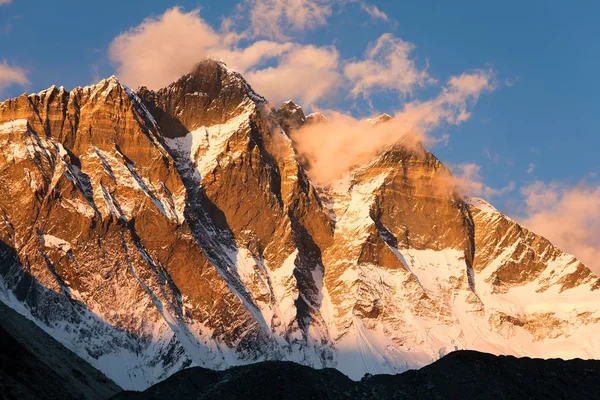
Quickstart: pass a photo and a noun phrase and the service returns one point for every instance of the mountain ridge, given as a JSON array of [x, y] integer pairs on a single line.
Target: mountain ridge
[[179, 227], [462, 374]]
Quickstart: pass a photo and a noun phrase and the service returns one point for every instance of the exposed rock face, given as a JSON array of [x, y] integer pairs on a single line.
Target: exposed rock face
[[290, 116], [154, 231]]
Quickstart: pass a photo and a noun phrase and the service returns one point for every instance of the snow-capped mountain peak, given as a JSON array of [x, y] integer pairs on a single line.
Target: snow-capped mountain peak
[[150, 231]]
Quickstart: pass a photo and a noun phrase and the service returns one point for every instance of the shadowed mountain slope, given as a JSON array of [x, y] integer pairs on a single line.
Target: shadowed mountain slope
[[35, 366]]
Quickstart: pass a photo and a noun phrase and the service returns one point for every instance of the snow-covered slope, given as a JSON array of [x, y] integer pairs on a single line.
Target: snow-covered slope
[[153, 231]]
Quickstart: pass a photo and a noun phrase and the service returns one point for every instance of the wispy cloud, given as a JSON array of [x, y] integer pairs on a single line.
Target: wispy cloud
[[11, 75], [275, 19], [468, 180], [5, 2], [511, 82], [373, 11], [387, 66]]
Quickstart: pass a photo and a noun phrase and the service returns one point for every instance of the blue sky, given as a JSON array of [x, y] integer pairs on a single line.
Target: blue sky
[[543, 116]]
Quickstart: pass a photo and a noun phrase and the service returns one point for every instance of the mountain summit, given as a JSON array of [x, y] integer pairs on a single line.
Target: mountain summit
[[151, 231]]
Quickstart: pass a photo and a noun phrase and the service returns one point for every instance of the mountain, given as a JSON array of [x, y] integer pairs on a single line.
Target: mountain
[[35, 366], [152, 231], [459, 375]]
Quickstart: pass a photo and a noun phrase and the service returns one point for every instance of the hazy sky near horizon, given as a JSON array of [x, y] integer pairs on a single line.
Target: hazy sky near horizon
[[522, 125]]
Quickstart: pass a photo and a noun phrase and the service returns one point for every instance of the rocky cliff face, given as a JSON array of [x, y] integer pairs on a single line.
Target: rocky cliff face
[[153, 231]]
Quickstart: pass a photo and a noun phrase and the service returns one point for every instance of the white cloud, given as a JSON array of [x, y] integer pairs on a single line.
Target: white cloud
[[511, 82]]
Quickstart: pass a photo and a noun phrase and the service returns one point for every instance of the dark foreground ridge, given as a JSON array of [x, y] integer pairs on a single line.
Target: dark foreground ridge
[[35, 366], [459, 375]]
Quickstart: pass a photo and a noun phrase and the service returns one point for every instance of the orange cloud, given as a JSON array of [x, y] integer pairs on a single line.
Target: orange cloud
[[11, 75], [162, 49], [567, 216], [306, 74]]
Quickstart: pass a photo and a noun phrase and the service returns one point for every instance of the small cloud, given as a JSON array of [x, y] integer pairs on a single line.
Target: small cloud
[[95, 71], [5, 29], [273, 19], [535, 150], [305, 73], [11, 75], [493, 157], [531, 169], [468, 179], [5, 2], [442, 140], [569, 216], [387, 66], [374, 11], [511, 82]]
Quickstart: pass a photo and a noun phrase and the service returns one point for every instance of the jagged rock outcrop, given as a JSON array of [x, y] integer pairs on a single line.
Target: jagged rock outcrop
[[150, 231], [290, 116], [380, 120]]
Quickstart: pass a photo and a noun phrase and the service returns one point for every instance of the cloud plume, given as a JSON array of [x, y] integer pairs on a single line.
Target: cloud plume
[[343, 142]]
